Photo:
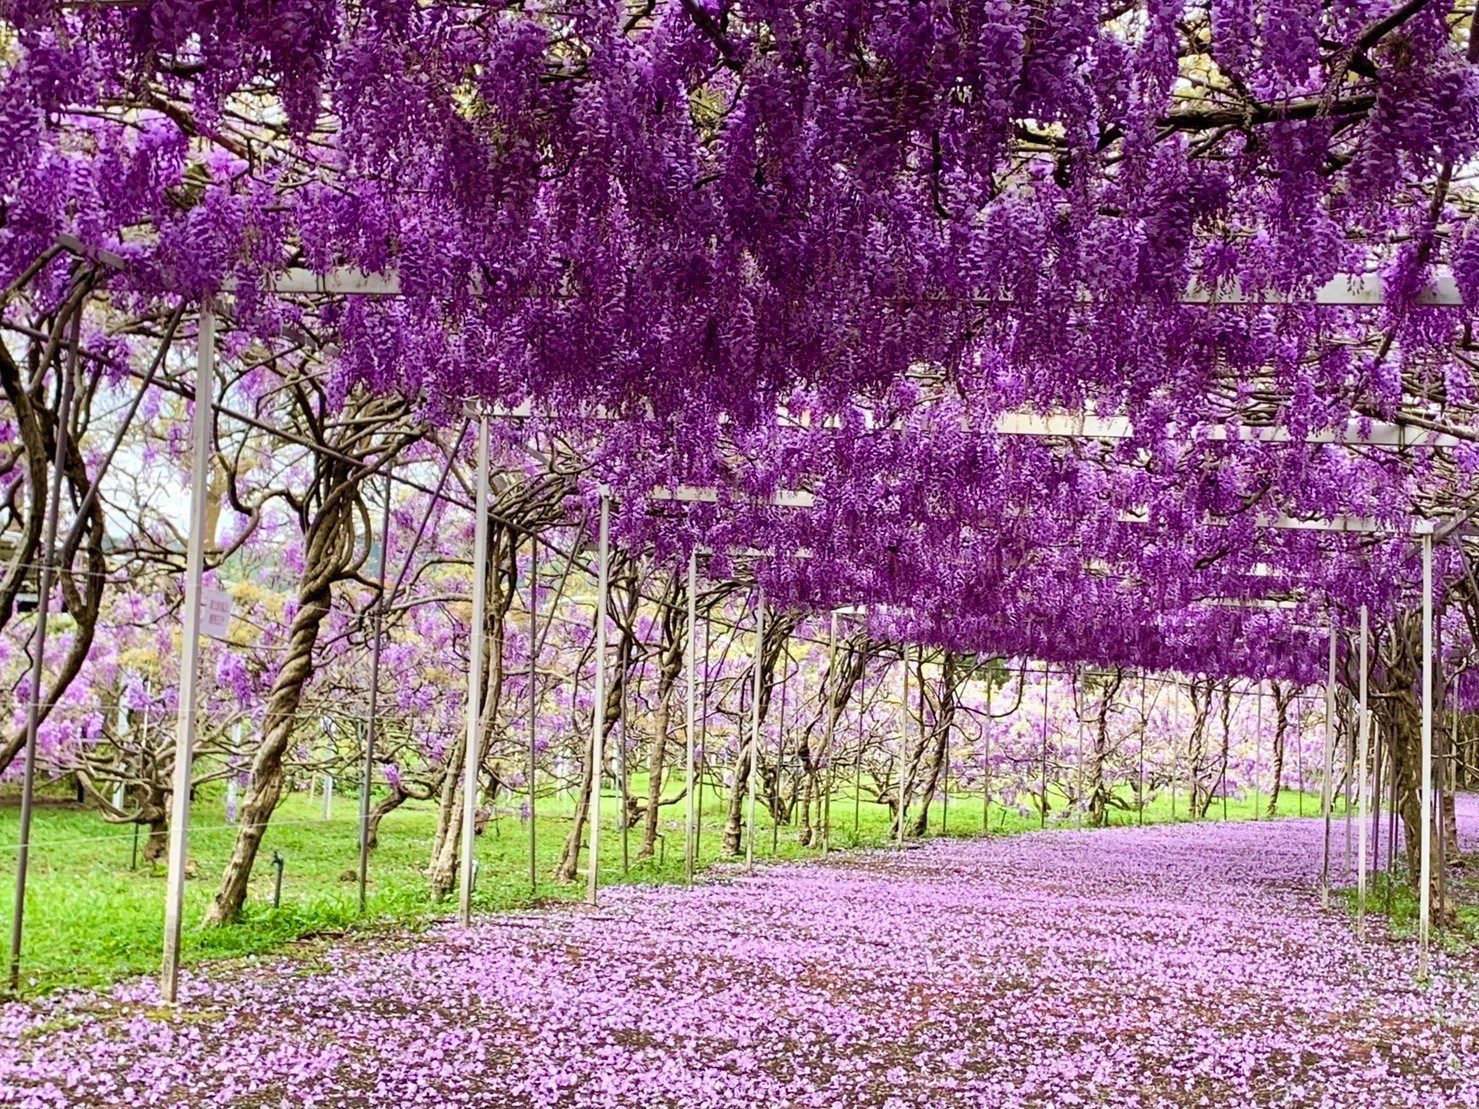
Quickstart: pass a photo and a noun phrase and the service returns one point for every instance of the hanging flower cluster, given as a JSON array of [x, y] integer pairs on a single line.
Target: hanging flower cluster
[[697, 205]]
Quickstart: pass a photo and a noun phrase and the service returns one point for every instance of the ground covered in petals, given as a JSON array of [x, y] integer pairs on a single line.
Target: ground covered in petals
[[1155, 966]]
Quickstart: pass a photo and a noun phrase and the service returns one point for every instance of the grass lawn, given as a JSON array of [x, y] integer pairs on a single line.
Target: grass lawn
[[1390, 897], [92, 918]]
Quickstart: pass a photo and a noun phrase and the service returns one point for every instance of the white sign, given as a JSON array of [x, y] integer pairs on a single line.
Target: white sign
[[215, 613]]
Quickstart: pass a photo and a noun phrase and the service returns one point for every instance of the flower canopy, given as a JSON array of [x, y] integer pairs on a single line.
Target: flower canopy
[[829, 245]]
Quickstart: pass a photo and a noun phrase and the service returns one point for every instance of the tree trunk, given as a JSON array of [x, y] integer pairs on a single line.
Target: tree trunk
[[670, 665], [845, 669], [777, 629], [441, 865], [937, 743], [265, 789], [378, 812], [329, 548], [624, 589], [1283, 695]]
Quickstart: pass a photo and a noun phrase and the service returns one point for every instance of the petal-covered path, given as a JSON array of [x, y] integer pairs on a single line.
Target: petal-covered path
[[1156, 966]]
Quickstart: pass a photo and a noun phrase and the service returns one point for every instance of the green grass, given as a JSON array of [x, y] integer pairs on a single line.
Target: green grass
[[1391, 900], [92, 919]]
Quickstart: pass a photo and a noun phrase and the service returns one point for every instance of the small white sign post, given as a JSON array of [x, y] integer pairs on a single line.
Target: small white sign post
[[215, 614]]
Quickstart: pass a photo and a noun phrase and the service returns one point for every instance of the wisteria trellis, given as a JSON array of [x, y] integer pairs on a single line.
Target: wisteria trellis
[[699, 214]]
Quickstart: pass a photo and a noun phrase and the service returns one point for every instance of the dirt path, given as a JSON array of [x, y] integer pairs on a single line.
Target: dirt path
[[1156, 966]]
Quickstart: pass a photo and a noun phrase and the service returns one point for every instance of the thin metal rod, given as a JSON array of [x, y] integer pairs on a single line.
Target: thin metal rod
[[1140, 787], [1257, 750], [1363, 744], [1083, 698], [1329, 770], [1043, 809], [1191, 800], [179, 825], [857, 770], [703, 735], [598, 710], [780, 756], [375, 647], [38, 644], [1425, 780], [533, 710], [945, 770], [832, 709], [986, 759], [1226, 742], [689, 712], [755, 726], [79, 521], [903, 742], [623, 679], [473, 761], [436, 498]]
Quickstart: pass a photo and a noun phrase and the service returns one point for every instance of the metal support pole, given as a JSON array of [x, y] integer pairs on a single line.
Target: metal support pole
[[1363, 745], [38, 645], [755, 727], [903, 741], [857, 769], [598, 708], [1078, 816], [986, 759], [1043, 811], [472, 762], [533, 707], [1425, 786], [623, 675], [179, 825], [1191, 800], [944, 770], [832, 710], [1257, 749], [780, 756], [703, 739], [1140, 789], [366, 777], [1325, 790], [690, 712]]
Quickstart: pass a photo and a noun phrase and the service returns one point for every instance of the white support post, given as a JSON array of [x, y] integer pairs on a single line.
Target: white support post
[[472, 762], [367, 773], [534, 645], [903, 741], [1425, 781], [1257, 750], [120, 792], [179, 825], [1362, 746], [598, 707], [1083, 696], [690, 716], [1325, 790], [755, 726], [830, 692]]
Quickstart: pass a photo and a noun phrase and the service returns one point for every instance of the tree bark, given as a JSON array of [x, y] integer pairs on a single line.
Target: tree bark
[[1283, 696], [624, 593], [670, 665], [778, 628], [937, 742], [330, 545]]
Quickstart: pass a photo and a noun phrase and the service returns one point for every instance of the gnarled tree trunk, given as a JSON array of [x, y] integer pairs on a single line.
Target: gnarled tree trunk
[[1283, 697], [778, 629]]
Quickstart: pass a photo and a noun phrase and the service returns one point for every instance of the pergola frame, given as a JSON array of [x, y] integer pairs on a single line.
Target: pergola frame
[[1350, 291]]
